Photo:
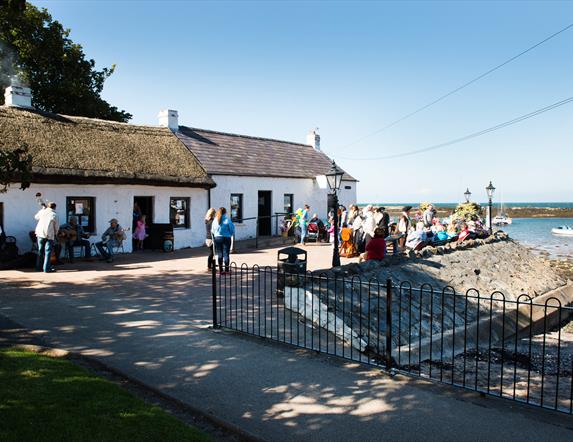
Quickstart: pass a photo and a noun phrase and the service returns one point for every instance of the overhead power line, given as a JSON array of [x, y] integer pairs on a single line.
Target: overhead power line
[[470, 136], [443, 97]]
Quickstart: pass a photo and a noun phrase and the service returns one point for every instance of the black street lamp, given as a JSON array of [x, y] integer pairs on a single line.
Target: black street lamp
[[468, 195], [334, 179], [490, 189]]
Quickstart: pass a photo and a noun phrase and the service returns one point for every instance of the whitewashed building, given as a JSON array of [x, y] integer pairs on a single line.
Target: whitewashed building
[[96, 170], [262, 178]]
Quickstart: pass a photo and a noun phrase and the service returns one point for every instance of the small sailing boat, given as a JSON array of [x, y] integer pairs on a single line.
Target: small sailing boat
[[502, 218]]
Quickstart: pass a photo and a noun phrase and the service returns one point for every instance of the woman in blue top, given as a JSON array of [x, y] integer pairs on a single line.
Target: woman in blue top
[[222, 230]]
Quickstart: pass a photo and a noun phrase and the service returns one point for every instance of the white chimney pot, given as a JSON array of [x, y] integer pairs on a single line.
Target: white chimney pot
[[313, 139], [169, 118], [18, 96]]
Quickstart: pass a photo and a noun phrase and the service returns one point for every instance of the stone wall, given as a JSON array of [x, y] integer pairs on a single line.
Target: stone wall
[[493, 264]]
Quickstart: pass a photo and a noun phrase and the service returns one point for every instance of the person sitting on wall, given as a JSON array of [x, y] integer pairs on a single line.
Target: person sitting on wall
[[417, 239], [465, 233], [74, 235], [376, 247], [112, 237]]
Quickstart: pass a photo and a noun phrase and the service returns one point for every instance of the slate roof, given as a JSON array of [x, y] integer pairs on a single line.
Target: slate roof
[[88, 150], [230, 154]]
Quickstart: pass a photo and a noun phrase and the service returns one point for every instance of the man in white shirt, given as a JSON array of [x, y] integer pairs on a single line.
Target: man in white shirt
[[46, 232]]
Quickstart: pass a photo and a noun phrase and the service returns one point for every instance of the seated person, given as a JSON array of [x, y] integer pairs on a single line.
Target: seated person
[[376, 247], [465, 233], [112, 237], [74, 235], [417, 239]]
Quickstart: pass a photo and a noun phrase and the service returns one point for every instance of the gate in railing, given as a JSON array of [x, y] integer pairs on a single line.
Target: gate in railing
[[507, 347]]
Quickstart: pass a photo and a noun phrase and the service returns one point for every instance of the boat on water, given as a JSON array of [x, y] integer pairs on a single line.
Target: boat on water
[[502, 220], [563, 230]]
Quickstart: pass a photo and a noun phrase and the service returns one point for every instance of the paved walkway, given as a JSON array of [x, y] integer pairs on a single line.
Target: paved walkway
[[148, 316]]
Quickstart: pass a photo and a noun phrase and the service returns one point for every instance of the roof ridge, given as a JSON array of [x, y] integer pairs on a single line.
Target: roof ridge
[[246, 136]]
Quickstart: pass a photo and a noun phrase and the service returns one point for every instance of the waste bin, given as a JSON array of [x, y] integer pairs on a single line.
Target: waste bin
[[291, 262]]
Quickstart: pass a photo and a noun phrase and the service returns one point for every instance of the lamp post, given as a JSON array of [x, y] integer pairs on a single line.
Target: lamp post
[[334, 179], [490, 189], [468, 195]]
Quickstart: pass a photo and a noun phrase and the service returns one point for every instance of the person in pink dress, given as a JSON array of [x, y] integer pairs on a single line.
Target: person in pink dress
[[139, 234]]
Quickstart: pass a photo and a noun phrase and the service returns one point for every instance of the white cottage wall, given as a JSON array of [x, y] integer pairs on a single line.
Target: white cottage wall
[[305, 190], [111, 201]]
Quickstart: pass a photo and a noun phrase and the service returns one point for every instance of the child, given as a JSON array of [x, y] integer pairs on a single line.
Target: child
[[139, 233]]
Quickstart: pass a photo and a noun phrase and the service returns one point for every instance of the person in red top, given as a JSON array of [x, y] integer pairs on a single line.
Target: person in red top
[[464, 233], [376, 247]]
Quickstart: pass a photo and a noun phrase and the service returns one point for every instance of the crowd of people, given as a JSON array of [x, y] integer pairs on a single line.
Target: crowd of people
[[368, 230], [372, 228]]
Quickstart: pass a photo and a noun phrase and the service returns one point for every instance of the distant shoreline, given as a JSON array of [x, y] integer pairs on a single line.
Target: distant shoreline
[[513, 212]]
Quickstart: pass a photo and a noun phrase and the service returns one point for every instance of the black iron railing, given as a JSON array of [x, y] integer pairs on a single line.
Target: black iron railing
[[274, 220], [495, 344]]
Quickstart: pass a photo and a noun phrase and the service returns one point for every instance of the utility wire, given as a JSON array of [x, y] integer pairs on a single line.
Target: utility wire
[[470, 136], [443, 97]]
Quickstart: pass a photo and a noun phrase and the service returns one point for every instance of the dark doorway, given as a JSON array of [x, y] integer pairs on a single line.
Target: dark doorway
[[265, 212], [142, 205]]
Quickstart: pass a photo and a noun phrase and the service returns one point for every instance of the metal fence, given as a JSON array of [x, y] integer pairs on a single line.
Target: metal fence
[[494, 344]]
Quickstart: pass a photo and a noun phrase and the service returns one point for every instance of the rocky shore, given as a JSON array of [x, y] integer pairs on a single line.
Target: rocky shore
[[513, 212]]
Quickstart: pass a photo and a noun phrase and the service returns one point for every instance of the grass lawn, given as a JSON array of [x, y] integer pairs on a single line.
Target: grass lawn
[[49, 399]]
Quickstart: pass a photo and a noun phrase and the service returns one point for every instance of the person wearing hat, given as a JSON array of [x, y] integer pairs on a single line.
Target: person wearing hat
[[384, 221], [112, 237], [404, 225]]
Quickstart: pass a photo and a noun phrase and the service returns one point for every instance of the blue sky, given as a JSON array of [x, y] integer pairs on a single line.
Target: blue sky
[[278, 69]]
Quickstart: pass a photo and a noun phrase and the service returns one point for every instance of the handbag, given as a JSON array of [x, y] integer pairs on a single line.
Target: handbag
[[209, 242]]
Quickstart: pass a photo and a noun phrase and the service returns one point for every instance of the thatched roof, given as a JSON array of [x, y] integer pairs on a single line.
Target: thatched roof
[[86, 150], [231, 154]]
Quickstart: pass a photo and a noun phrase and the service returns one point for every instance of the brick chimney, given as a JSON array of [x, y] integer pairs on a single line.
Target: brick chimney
[[18, 96], [313, 139], [169, 118]]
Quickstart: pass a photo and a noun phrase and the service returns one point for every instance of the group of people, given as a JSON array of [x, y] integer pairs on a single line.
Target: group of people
[[52, 238], [219, 233]]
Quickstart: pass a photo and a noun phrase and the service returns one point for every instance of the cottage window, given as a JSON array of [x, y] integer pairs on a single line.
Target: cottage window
[[179, 212], [83, 208], [237, 207], [288, 203]]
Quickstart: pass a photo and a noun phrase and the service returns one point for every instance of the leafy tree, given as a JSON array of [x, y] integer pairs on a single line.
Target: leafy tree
[[15, 166], [38, 49]]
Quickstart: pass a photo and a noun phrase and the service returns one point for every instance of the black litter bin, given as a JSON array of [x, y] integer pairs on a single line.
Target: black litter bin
[[291, 262]]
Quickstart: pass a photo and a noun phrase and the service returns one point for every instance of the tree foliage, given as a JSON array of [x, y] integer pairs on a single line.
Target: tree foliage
[[15, 166], [41, 53]]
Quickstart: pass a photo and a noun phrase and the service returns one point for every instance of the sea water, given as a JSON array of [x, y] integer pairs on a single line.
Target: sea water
[[536, 233]]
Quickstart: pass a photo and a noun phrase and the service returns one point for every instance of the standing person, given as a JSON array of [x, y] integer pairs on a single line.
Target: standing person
[[139, 233], [404, 225], [384, 222], [303, 222], [46, 232], [222, 229], [429, 214], [352, 214], [369, 224], [209, 217], [112, 237]]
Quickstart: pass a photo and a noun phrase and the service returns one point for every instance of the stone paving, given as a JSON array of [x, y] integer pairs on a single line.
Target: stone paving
[[148, 315]]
